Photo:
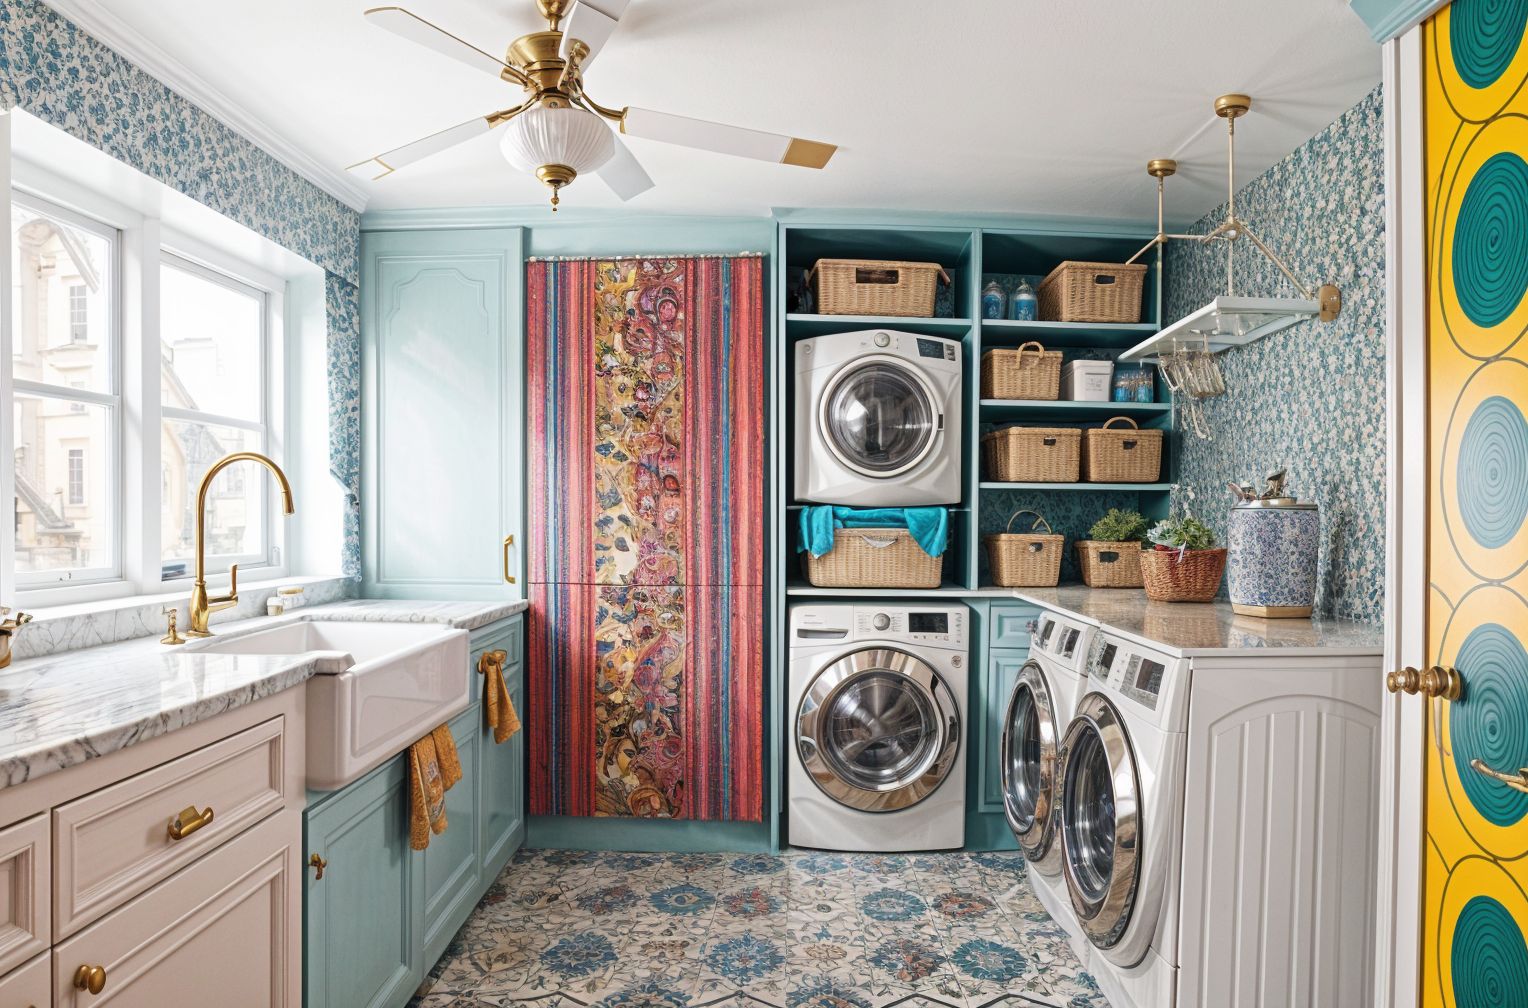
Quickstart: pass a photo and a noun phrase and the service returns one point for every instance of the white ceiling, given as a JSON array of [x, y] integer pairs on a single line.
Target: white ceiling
[[1005, 106]]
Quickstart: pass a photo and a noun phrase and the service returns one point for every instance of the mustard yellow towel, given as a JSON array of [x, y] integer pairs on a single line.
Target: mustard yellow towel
[[502, 717], [446, 756], [427, 793]]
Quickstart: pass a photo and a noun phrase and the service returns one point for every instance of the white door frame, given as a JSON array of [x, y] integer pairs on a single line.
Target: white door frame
[[1399, 857]]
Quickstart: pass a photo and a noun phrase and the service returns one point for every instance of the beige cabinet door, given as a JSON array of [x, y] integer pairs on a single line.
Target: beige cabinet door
[[226, 928]]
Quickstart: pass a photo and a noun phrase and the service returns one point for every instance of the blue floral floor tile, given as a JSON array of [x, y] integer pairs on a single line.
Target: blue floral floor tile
[[569, 929]]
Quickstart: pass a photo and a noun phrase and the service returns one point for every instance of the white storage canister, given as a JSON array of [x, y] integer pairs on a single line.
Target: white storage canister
[[1087, 380], [1273, 551]]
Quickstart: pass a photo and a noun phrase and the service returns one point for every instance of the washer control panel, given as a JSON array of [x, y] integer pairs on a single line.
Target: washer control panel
[[944, 625]]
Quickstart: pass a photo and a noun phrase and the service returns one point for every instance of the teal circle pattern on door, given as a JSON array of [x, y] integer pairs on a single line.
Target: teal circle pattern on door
[[1488, 957], [1490, 721], [1491, 240], [1484, 36], [1493, 472]]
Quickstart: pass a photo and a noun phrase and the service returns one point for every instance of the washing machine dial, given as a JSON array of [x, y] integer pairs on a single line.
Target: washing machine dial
[[883, 339], [881, 621]]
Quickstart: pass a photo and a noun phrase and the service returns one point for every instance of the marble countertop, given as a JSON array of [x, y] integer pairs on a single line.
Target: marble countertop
[[1205, 628], [62, 709]]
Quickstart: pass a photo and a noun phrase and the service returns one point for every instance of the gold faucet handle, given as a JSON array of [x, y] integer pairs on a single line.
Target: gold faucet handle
[[222, 602], [172, 635]]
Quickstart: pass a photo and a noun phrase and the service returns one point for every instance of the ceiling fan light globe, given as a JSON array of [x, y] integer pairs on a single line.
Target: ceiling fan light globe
[[573, 137]]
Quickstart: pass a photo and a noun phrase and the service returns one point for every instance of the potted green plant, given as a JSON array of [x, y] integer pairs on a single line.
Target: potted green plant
[[1185, 565], [1110, 557]]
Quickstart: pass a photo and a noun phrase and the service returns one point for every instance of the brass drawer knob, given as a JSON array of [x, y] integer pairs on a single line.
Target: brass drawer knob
[[90, 978], [318, 865], [489, 659], [189, 821]]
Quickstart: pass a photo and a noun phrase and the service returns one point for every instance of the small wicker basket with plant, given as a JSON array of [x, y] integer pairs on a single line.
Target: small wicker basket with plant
[[1110, 557], [1185, 565]]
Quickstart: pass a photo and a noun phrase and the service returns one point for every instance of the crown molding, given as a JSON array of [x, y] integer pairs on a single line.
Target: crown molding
[[92, 17]]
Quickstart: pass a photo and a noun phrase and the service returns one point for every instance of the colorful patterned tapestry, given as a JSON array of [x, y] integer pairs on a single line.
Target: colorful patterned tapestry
[[646, 537]]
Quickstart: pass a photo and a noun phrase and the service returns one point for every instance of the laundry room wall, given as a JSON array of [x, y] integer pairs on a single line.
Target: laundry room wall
[[1310, 398]]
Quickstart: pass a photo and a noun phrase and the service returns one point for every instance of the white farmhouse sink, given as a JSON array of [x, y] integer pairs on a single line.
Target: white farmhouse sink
[[379, 688]]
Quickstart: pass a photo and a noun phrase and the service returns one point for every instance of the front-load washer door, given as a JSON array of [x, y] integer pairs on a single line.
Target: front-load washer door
[[878, 730], [1100, 820], [878, 416], [1031, 768]]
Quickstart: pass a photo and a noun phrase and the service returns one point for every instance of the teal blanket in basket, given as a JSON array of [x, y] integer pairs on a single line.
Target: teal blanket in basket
[[930, 526]]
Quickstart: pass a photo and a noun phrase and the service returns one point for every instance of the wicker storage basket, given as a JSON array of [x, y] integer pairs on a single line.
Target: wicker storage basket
[[1121, 455], [869, 287], [873, 558], [1182, 576], [1109, 564], [1092, 292], [1030, 372], [1025, 559], [1032, 454]]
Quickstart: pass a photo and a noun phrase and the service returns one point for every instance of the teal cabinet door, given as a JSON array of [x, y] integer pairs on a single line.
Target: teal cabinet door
[[450, 864], [443, 409], [1003, 665], [362, 928], [503, 792]]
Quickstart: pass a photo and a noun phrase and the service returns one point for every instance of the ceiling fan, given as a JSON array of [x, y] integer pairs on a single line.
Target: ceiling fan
[[559, 132]]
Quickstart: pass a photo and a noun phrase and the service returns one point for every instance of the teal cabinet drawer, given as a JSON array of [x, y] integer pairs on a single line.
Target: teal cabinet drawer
[[1003, 665], [1010, 626]]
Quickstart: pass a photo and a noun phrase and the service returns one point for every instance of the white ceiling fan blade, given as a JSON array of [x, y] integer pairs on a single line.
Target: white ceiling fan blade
[[390, 161], [417, 30], [624, 174], [725, 139], [591, 22]]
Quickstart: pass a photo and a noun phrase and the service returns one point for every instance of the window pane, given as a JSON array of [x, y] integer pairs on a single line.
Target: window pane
[[211, 336], [235, 501], [65, 515], [61, 280]]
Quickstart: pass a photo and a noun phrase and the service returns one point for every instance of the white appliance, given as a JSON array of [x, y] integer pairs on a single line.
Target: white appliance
[[877, 717], [1221, 851], [1040, 706], [878, 419]]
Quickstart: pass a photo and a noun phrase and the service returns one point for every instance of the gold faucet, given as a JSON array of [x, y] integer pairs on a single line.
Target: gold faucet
[[201, 606], [8, 630]]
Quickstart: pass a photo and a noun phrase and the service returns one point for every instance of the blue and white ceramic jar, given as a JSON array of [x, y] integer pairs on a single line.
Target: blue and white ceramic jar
[[1273, 549]]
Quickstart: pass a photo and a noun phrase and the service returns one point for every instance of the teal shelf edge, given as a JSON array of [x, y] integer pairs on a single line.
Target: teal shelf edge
[[820, 325], [1092, 335], [1137, 487], [949, 591], [1062, 408]]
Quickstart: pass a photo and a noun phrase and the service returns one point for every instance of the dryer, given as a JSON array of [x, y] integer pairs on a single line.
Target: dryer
[[878, 419], [1040, 706], [877, 716], [1121, 818]]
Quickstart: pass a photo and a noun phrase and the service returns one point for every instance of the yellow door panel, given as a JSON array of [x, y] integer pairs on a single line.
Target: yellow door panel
[[1475, 871]]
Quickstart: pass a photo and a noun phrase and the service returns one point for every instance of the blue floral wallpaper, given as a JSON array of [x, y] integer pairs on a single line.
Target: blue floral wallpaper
[[67, 78], [1312, 397]]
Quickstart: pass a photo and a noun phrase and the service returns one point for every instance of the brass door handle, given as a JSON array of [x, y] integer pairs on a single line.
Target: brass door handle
[[1436, 681], [509, 541], [90, 978], [189, 821], [1517, 781], [488, 659], [318, 865]]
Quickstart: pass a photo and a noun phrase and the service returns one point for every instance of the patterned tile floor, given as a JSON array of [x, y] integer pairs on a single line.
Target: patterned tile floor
[[569, 929]]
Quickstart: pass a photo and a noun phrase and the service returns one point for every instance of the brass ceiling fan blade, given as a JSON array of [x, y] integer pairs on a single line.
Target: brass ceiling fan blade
[[591, 23], [390, 161], [724, 139], [624, 174], [416, 29]]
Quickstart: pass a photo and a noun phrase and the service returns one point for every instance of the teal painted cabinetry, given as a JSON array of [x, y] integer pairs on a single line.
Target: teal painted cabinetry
[[1003, 666], [999, 648], [384, 913], [442, 368]]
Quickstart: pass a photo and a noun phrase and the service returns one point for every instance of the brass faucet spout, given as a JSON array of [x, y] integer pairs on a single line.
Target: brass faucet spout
[[201, 605]]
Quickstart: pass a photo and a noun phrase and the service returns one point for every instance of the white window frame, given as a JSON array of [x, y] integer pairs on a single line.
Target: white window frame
[[48, 582], [142, 245]]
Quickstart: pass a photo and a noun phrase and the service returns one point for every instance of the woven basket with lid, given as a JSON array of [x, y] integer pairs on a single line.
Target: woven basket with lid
[[1121, 454], [1032, 454], [1030, 372], [872, 287], [1092, 292], [1025, 559]]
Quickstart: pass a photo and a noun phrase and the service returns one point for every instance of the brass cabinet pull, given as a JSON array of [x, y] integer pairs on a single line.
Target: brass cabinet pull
[[1436, 681], [1517, 781], [90, 978], [318, 865], [509, 541], [488, 659], [189, 821]]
